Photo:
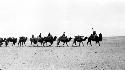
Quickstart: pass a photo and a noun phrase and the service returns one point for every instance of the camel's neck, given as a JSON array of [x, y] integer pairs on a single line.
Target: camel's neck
[[84, 38], [54, 38]]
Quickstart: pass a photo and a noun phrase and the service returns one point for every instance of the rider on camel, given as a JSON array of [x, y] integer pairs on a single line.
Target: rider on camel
[[32, 36], [40, 35], [49, 35], [63, 34], [94, 34], [100, 35]]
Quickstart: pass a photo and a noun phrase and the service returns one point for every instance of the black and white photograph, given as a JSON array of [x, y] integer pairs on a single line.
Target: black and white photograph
[[62, 34]]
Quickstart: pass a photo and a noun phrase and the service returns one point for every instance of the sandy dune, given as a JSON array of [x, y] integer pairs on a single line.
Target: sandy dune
[[109, 56]]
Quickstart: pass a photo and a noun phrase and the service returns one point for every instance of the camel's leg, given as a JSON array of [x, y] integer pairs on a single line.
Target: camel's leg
[[58, 43], [63, 44], [22, 43], [18, 43], [99, 43], [67, 44], [41, 43], [87, 43], [46, 43], [90, 43], [74, 42], [82, 44], [31, 42], [25, 43], [14, 43], [79, 44], [51, 43], [37, 44], [6, 44]]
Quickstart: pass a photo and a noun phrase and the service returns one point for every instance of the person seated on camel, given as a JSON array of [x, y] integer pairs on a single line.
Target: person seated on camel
[[94, 32], [95, 35], [32, 36], [100, 35], [63, 34], [91, 36], [40, 35], [49, 35]]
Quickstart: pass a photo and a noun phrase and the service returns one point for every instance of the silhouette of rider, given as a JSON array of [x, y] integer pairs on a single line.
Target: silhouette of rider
[[40, 35], [49, 35], [63, 34], [32, 36], [94, 32], [100, 35]]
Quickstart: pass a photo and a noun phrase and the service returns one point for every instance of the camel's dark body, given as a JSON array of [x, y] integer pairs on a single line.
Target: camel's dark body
[[79, 39], [64, 40], [11, 39], [49, 39], [95, 38], [22, 41], [36, 40]]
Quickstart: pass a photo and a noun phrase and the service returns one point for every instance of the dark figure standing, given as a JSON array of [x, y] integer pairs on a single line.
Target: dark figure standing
[[100, 36], [40, 35], [49, 35], [32, 36], [63, 34]]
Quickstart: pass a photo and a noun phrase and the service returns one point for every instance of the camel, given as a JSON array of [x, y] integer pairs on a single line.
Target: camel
[[95, 38], [1, 41], [79, 39], [49, 39], [63, 39], [22, 40], [11, 39], [36, 40]]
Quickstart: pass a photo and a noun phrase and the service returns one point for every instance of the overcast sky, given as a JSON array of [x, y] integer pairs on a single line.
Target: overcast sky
[[27, 17]]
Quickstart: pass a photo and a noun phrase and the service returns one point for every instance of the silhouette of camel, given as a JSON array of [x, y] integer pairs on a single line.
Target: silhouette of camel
[[95, 38], [11, 39], [79, 39], [63, 39], [49, 39], [36, 40], [22, 40], [1, 41]]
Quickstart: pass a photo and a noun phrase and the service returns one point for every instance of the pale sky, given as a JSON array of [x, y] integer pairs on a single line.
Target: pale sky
[[27, 17]]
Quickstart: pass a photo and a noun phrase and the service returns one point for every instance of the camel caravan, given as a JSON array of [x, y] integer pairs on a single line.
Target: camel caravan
[[51, 39]]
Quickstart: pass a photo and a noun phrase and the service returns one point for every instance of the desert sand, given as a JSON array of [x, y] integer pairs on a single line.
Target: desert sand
[[109, 56]]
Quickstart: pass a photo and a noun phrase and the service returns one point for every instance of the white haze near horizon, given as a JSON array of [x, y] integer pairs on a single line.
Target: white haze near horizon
[[75, 17]]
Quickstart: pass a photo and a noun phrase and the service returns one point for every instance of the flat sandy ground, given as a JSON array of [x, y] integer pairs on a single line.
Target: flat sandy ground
[[109, 56]]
